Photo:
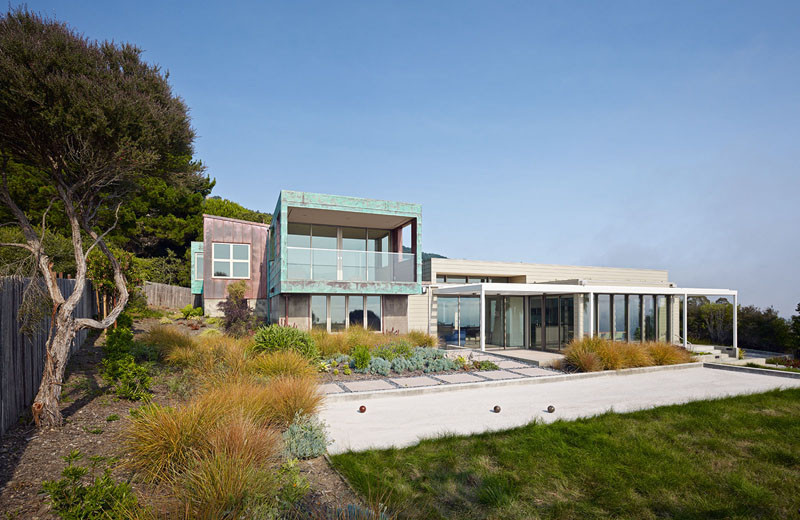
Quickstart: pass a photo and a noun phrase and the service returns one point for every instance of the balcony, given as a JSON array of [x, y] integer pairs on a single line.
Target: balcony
[[340, 265]]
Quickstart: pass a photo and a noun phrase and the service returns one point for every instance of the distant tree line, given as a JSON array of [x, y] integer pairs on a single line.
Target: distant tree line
[[761, 329]]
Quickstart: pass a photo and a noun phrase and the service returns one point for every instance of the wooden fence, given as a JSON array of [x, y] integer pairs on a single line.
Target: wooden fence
[[22, 357], [169, 296]]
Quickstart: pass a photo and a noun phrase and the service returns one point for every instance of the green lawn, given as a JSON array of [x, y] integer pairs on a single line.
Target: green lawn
[[729, 458]]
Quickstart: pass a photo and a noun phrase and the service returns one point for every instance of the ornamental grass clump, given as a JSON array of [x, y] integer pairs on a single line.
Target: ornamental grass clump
[[167, 339], [664, 353], [289, 396], [286, 363]]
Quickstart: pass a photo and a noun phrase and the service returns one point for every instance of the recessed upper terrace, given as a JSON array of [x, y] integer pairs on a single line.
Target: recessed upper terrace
[[336, 244]]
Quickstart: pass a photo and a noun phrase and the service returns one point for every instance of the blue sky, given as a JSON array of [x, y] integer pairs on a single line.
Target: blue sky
[[631, 134]]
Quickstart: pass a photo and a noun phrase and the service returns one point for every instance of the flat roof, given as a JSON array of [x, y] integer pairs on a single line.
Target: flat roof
[[535, 289]]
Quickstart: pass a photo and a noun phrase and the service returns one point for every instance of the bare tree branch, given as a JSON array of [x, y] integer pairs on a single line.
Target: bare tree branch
[[17, 244], [106, 232]]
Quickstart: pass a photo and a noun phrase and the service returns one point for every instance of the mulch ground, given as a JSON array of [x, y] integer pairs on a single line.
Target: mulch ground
[[29, 456]]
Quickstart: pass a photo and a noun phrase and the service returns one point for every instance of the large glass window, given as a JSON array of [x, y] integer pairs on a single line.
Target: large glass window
[[661, 302], [374, 313], [604, 316], [355, 311], [551, 322], [198, 266], [515, 321], [299, 260], [446, 326], [319, 312], [537, 338], [494, 321], [469, 318], [635, 317], [649, 317], [354, 258], [338, 313], [620, 321], [587, 322], [323, 244], [230, 260], [567, 320]]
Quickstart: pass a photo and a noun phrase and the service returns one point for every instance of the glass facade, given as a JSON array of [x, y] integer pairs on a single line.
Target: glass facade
[[338, 312], [635, 317], [355, 311], [649, 313], [537, 324], [567, 319], [620, 321], [373, 313], [551, 323], [662, 321], [515, 321], [603, 310], [446, 324], [319, 312]]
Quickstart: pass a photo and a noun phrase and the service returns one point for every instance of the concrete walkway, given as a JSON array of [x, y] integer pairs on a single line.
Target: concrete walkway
[[402, 420]]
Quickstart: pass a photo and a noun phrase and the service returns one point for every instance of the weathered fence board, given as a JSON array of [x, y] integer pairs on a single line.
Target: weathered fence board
[[22, 357], [169, 296]]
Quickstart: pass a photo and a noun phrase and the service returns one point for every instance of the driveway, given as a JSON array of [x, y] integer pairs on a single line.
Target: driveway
[[402, 420]]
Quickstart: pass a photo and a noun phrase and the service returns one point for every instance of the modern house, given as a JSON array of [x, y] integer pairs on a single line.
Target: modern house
[[333, 262]]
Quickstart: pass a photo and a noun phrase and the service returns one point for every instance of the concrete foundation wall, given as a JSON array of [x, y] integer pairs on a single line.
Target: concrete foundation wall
[[297, 311], [395, 313]]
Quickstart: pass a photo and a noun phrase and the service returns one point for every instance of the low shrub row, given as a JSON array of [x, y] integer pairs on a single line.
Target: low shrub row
[[595, 354], [124, 364], [399, 359]]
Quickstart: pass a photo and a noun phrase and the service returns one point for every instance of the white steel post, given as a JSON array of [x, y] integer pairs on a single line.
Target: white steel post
[[685, 320], [735, 324], [591, 314], [483, 319]]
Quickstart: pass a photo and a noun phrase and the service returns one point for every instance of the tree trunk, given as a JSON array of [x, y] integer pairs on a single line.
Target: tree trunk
[[46, 411]]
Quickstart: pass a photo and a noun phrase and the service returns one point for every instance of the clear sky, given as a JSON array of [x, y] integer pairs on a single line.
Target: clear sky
[[632, 134]]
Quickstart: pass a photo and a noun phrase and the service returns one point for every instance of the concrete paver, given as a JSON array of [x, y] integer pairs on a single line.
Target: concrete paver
[[534, 372], [414, 381], [368, 386], [461, 377], [497, 374], [402, 420], [511, 364], [330, 388]]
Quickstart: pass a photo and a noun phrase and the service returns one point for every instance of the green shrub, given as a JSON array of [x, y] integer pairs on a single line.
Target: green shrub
[[127, 379], [361, 357], [103, 498], [485, 365], [125, 320], [274, 338], [400, 365], [306, 438], [347, 371], [113, 417], [238, 319], [190, 311]]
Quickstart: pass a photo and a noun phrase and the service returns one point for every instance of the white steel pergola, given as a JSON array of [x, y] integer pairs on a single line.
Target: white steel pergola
[[537, 289]]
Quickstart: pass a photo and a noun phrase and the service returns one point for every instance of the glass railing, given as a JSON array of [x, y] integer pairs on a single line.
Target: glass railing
[[340, 265]]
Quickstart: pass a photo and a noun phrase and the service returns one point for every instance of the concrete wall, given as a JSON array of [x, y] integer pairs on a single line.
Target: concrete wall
[[297, 311], [533, 273], [395, 313]]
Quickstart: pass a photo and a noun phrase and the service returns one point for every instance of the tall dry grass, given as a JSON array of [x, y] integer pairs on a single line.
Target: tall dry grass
[[280, 363], [593, 354], [331, 344]]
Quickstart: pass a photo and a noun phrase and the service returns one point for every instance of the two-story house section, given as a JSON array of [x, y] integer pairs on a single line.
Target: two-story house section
[[336, 262]]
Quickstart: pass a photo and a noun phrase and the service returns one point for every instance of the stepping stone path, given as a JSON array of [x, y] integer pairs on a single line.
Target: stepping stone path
[[534, 372], [368, 386], [459, 378], [497, 374]]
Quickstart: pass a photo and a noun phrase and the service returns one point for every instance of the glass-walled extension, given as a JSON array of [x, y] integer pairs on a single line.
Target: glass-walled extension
[[459, 321], [635, 317]]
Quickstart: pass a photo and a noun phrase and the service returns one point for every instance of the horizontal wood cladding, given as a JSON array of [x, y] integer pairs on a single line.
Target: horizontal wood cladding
[[220, 229], [533, 273]]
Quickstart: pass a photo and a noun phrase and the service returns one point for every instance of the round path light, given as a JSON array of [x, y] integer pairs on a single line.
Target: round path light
[[551, 409], [496, 409], [362, 409]]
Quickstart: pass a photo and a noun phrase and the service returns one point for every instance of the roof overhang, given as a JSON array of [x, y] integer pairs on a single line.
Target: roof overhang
[[535, 289]]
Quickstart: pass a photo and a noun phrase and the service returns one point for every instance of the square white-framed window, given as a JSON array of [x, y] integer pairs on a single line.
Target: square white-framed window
[[198, 266], [230, 260]]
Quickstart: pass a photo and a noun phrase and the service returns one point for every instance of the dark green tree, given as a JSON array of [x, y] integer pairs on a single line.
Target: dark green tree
[[226, 208], [85, 125]]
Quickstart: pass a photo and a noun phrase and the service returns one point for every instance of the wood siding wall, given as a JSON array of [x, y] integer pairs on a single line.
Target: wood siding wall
[[169, 296], [219, 229], [21, 357]]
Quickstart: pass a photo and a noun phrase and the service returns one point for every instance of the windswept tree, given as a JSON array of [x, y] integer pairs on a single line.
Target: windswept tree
[[83, 124]]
